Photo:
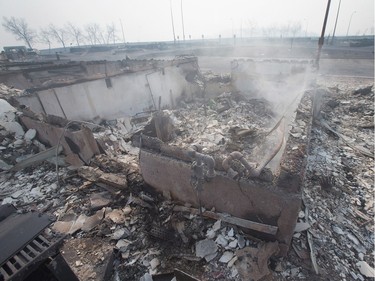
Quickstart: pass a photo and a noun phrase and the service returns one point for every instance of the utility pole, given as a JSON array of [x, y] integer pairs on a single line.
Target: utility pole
[[334, 29], [182, 19], [321, 39], [174, 35], [122, 29]]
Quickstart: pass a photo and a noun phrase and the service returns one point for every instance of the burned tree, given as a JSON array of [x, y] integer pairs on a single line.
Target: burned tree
[[45, 37], [75, 32], [20, 29], [111, 33], [93, 33], [59, 34]]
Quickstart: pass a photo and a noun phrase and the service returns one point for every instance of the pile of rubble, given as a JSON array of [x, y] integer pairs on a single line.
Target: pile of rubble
[[116, 221], [339, 185], [219, 124], [334, 236]]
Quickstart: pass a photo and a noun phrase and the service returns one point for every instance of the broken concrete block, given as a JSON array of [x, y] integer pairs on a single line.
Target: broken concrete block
[[78, 223], [30, 134], [13, 127], [210, 234], [365, 269], [92, 221], [233, 244], [206, 249], [120, 233], [226, 257], [122, 245], [18, 143], [154, 263], [217, 225], [100, 200], [80, 143], [241, 241], [62, 226], [83, 222], [301, 226], [221, 240], [5, 107]]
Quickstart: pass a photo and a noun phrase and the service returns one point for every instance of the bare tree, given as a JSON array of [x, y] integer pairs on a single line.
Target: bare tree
[[20, 29], [101, 37], [45, 37], [59, 34], [94, 33], [75, 32], [111, 33]]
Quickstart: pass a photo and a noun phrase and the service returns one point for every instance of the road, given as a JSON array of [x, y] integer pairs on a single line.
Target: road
[[335, 60]]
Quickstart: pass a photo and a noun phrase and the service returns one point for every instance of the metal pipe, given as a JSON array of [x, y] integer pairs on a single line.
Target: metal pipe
[[259, 169], [254, 171], [235, 155]]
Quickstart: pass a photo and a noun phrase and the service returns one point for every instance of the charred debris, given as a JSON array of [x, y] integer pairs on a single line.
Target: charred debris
[[153, 170]]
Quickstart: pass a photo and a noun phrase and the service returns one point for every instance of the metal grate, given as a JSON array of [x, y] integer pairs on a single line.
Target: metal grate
[[34, 252]]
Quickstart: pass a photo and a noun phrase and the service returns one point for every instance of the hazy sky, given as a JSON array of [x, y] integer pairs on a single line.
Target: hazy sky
[[150, 20]]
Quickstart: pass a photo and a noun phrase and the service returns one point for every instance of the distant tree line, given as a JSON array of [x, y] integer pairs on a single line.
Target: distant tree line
[[68, 34]]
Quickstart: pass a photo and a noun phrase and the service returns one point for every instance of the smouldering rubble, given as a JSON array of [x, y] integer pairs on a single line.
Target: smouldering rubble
[[335, 227]]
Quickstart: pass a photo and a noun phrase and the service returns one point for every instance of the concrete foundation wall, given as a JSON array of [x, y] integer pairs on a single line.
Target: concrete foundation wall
[[127, 94], [278, 81], [253, 201]]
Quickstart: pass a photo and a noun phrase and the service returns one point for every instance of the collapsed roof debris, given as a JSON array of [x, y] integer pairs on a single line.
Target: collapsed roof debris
[[232, 200]]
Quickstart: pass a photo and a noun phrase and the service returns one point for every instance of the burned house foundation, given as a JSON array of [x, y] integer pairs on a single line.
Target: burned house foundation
[[270, 200], [237, 156]]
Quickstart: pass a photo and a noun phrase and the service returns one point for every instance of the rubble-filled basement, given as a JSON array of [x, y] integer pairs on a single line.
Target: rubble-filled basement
[[157, 170]]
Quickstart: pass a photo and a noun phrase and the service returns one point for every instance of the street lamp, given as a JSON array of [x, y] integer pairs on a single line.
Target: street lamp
[[347, 32]]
